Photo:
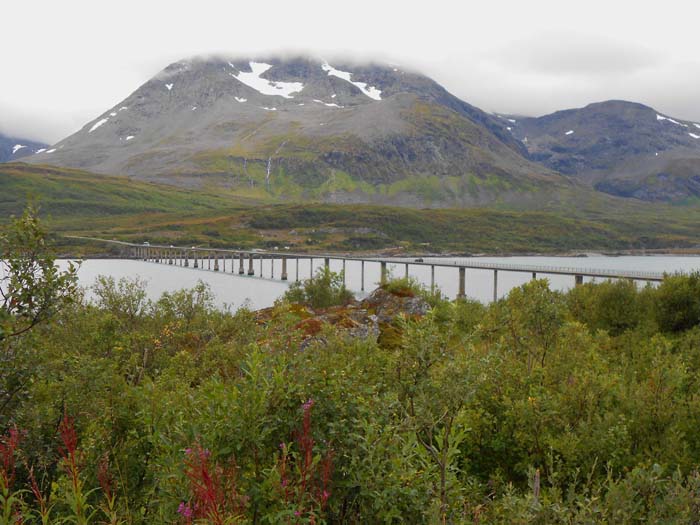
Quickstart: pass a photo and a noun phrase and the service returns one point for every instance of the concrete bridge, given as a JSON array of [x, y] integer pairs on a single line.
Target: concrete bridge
[[244, 263]]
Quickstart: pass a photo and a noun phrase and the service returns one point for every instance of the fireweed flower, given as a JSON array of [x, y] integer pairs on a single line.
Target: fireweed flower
[[184, 510]]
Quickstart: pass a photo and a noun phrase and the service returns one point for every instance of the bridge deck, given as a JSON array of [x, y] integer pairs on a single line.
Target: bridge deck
[[424, 261]]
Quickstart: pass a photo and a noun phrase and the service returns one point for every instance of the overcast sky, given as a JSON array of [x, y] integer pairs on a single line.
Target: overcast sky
[[66, 62]]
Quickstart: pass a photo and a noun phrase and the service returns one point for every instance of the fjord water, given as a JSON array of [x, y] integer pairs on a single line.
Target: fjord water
[[234, 291]]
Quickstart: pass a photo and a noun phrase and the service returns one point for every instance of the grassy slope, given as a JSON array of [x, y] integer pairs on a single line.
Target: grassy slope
[[112, 207], [65, 193]]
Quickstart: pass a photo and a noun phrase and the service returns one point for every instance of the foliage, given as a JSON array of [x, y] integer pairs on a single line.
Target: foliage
[[31, 285], [542, 408], [325, 289]]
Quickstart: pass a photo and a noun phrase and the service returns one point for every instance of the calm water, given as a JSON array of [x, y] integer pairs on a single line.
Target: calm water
[[235, 291]]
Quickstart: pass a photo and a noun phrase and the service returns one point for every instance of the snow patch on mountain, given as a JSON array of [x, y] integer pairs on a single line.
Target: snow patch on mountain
[[512, 121], [661, 117], [570, 132], [98, 124], [694, 135], [17, 147], [264, 86], [371, 91], [169, 86], [241, 99], [328, 104]]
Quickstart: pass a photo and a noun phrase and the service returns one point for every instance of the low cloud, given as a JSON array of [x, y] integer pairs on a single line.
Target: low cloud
[[559, 53]]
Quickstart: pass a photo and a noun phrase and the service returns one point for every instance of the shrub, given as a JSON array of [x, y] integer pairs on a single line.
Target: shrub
[[325, 289], [677, 302]]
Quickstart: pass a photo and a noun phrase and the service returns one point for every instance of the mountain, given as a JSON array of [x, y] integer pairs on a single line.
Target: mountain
[[622, 148], [13, 148], [304, 128]]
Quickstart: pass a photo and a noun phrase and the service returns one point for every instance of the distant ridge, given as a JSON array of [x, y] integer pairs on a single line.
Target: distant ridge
[[623, 148], [12, 148]]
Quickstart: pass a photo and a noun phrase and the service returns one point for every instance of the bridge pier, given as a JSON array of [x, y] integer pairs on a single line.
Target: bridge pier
[[462, 283], [534, 275], [343, 272], [261, 266], [216, 261], [382, 275], [251, 271], [578, 279], [362, 276], [241, 270], [284, 269], [297, 270], [327, 263], [311, 268], [186, 255], [196, 263], [272, 267], [432, 278], [495, 286], [406, 273]]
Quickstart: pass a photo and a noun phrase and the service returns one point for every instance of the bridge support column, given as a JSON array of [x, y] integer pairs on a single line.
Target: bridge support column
[[251, 271], [578, 279], [233, 265], [241, 270], [495, 286], [261, 266], [170, 257], [186, 256], [382, 274], [216, 261], [343, 272], [272, 267], [284, 269], [462, 283], [311, 268], [534, 275], [327, 263], [432, 278], [297, 269], [406, 273], [362, 276], [196, 260]]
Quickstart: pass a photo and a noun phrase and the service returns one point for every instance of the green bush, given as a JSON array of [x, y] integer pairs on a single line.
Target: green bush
[[325, 289], [677, 302]]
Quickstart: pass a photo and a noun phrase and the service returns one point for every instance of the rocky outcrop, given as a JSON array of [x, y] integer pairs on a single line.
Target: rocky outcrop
[[374, 317]]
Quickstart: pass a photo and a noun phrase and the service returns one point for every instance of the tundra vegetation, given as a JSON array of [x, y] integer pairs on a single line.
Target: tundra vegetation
[[544, 407]]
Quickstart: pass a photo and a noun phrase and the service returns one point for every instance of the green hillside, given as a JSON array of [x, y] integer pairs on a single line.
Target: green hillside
[[72, 194], [80, 203]]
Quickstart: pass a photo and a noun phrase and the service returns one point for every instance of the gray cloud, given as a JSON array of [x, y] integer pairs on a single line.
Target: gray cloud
[[567, 53], [506, 56]]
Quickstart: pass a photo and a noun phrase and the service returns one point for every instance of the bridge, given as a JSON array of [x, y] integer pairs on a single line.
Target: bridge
[[244, 262]]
